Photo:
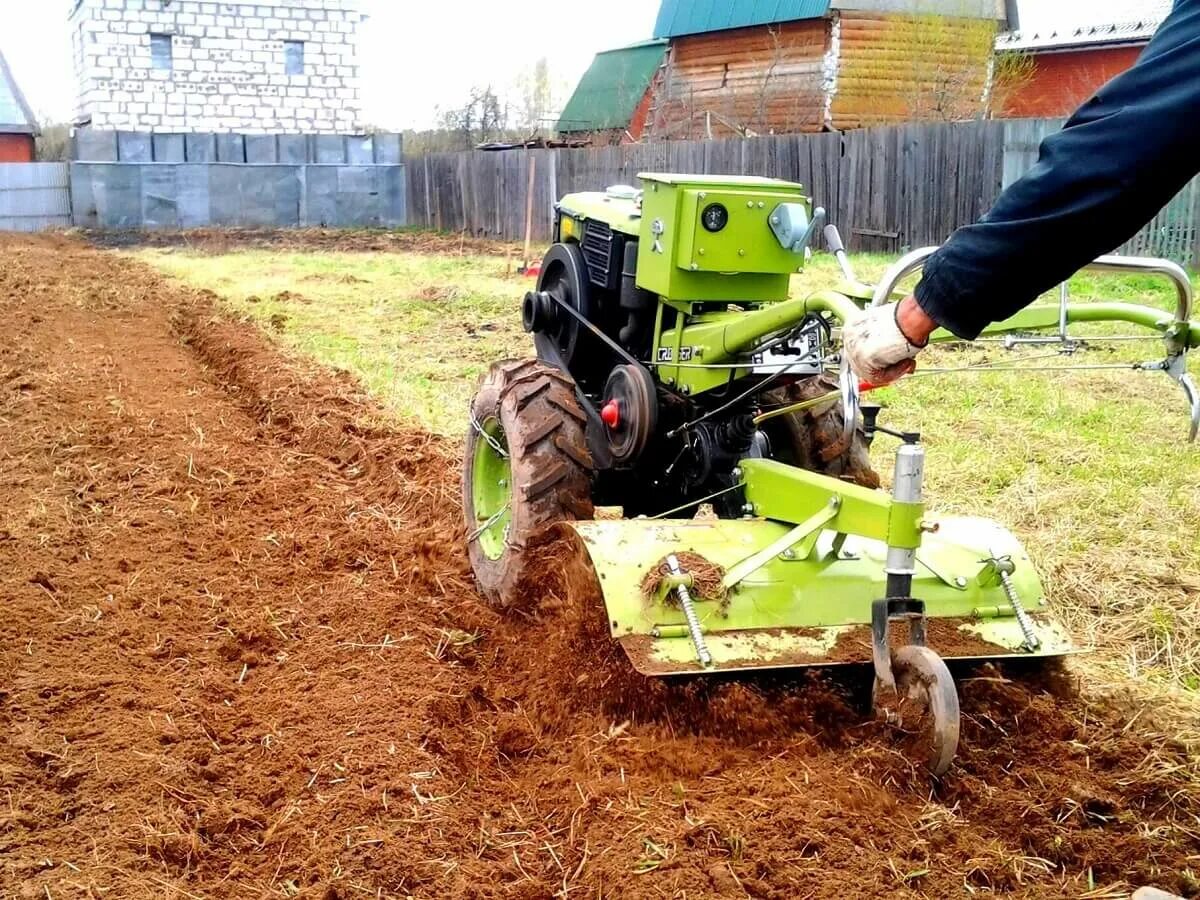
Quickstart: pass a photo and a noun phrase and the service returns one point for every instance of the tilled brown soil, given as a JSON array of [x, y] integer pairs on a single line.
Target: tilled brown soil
[[242, 656]]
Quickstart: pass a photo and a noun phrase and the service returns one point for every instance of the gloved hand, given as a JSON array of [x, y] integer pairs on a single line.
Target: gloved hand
[[879, 352]]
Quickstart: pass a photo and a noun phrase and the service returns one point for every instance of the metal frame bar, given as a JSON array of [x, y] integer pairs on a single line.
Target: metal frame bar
[[915, 259]]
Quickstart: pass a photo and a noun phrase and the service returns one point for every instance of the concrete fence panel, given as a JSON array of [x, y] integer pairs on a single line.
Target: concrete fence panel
[[188, 195]]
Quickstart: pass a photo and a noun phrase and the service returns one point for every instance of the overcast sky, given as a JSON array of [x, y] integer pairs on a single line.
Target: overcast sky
[[420, 54]]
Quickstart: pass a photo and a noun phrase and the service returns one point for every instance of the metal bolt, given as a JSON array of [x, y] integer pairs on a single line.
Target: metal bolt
[[741, 253], [736, 473], [960, 581], [685, 389], [695, 266], [701, 251], [789, 553], [761, 205], [503, 482], [749, 204], [703, 194], [774, 220], [748, 509]]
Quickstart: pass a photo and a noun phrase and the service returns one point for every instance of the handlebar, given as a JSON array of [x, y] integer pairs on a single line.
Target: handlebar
[[915, 259]]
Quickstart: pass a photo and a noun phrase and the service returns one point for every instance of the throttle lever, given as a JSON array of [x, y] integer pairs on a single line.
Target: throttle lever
[[833, 240]]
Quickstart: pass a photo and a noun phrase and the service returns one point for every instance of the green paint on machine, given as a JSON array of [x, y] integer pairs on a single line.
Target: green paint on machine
[[794, 608]]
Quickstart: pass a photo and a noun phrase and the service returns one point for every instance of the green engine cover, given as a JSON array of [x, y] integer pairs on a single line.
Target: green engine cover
[[681, 257], [700, 237]]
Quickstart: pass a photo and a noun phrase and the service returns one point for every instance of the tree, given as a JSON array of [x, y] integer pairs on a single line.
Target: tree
[[1012, 72], [54, 143], [536, 97], [948, 65], [480, 119]]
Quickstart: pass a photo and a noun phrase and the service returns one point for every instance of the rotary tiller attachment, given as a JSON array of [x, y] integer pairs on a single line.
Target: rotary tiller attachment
[[815, 574]]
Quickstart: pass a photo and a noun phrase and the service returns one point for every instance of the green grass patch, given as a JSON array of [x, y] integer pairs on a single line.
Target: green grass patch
[[1090, 468]]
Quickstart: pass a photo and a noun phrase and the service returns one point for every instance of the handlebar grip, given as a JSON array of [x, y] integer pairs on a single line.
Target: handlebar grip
[[834, 240]]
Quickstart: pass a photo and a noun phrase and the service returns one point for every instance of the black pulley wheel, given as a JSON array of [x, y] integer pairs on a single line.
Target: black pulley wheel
[[564, 282], [629, 411]]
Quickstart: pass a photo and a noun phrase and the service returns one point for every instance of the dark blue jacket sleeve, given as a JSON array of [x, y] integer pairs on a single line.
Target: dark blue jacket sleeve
[[1120, 158]]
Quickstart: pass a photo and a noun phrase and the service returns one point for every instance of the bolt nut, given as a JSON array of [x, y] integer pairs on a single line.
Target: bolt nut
[[789, 553], [748, 509], [761, 205], [960, 582], [774, 220], [701, 251], [703, 194], [741, 253], [749, 204], [695, 266]]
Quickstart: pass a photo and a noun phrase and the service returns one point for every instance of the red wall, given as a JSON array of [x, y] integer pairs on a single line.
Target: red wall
[[16, 148], [1062, 81]]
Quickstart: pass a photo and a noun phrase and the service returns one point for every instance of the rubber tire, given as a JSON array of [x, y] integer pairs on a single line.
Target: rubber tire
[[812, 439], [551, 466]]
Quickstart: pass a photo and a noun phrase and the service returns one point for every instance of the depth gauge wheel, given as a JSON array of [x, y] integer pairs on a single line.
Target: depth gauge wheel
[[924, 707], [526, 466]]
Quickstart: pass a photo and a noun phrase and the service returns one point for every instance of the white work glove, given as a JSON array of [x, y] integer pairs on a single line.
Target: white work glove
[[877, 349]]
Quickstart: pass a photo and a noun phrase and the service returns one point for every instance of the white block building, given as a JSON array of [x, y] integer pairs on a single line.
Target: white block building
[[271, 66]]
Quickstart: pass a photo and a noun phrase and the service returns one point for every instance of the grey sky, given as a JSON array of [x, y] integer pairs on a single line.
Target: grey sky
[[419, 54]]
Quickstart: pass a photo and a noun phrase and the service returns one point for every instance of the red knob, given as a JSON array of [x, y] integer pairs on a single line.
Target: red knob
[[610, 413]]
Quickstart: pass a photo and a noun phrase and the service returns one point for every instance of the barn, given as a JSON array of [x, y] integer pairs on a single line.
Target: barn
[[750, 67], [17, 124], [611, 102], [1065, 64]]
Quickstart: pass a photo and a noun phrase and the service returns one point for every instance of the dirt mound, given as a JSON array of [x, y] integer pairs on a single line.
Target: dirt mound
[[242, 655], [339, 240]]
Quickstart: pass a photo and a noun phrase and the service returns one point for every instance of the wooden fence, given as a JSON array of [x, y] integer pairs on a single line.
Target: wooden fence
[[886, 189]]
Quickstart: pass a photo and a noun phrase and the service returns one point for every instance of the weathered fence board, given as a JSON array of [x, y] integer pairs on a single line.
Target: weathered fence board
[[886, 189], [34, 196]]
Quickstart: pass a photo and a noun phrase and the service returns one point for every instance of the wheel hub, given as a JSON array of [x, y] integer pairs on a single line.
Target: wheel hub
[[492, 488], [630, 411]]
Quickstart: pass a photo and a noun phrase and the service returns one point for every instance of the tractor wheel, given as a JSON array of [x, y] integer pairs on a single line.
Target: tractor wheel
[[812, 439], [526, 467]]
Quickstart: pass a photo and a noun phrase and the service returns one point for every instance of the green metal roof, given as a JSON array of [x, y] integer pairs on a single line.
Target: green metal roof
[[678, 17], [611, 88]]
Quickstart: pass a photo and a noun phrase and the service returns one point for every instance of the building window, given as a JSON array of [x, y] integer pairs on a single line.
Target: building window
[[293, 57], [160, 51]]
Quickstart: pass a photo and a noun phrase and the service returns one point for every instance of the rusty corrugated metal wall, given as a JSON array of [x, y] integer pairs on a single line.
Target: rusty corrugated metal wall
[[903, 68], [762, 80]]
